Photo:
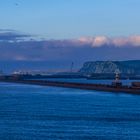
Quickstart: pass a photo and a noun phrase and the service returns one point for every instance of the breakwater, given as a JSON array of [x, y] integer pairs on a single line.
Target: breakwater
[[98, 87]]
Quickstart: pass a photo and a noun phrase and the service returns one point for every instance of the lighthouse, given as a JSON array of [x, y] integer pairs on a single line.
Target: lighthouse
[[117, 82]]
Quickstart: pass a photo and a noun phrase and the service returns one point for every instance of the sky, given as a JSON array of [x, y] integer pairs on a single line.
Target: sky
[[65, 31], [64, 19]]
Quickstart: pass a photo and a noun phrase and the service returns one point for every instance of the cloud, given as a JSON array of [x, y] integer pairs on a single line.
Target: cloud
[[135, 40], [18, 46], [12, 35], [95, 41], [118, 41], [8, 35]]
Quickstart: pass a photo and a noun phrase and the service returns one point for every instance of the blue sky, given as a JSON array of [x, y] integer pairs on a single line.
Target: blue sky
[[72, 31], [63, 19]]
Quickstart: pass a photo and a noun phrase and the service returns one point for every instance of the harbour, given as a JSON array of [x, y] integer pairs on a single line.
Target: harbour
[[38, 112], [69, 70], [115, 86]]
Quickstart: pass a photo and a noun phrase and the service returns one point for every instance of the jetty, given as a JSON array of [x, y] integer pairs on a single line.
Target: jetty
[[114, 87]]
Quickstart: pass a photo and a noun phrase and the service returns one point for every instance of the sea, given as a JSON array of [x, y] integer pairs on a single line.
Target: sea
[[30, 112]]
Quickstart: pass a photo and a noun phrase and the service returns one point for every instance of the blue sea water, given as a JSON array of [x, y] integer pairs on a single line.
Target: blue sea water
[[49, 113]]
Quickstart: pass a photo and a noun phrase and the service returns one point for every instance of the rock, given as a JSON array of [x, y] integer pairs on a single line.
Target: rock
[[107, 67]]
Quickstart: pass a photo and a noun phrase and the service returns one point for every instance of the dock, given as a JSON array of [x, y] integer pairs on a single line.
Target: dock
[[84, 86]]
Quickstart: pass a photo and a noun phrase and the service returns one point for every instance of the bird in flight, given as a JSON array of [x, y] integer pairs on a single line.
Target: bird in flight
[[16, 4]]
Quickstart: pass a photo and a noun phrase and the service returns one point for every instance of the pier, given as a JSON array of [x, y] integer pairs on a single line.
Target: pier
[[84, 86]]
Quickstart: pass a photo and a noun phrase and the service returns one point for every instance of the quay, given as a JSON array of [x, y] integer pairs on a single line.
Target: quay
[[115, 87]]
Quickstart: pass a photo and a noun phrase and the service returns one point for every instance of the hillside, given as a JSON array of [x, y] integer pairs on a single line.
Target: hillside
[[105, 67]]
